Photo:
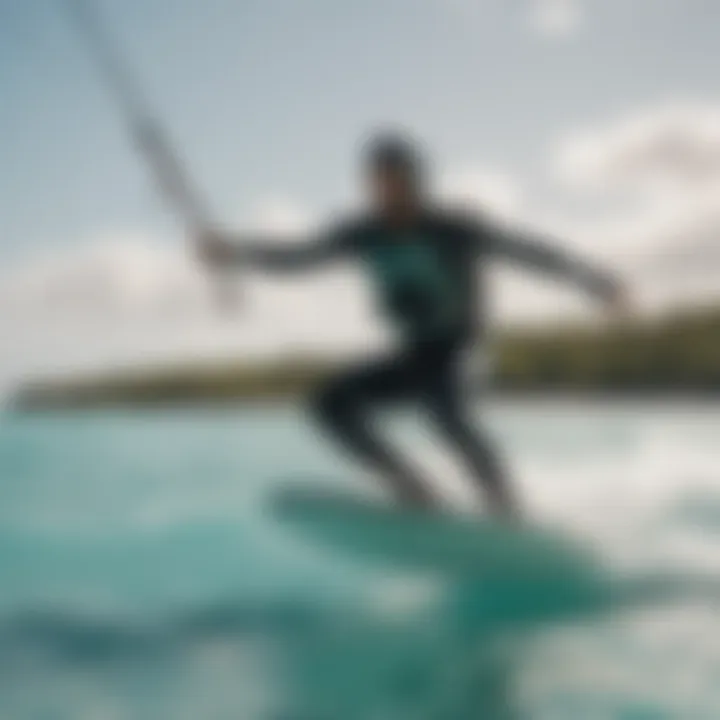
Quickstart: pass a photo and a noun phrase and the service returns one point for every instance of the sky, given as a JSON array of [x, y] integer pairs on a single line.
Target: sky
[[597, 121]]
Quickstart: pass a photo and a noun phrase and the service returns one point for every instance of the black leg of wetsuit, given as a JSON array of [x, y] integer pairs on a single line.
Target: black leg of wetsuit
[[445, 398], [344, 408]]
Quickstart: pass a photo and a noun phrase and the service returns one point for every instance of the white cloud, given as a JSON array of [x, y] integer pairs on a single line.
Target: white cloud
[[661, 169], [551, 19], [125, 298], [496, 192], [556, 18], [671, 146], [282, 215], [107, 278]]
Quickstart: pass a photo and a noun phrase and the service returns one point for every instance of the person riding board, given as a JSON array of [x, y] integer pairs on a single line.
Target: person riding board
[[427, 264]]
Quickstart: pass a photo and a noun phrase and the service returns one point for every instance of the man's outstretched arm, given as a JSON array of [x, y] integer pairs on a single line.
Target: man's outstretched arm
[[533, 251], [225, 250]]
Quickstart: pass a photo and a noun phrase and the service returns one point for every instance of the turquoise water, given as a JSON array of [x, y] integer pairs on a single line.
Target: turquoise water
[[141, 575]]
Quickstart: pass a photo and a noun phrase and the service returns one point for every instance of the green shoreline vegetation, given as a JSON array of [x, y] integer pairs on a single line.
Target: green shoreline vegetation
[[679, 352]]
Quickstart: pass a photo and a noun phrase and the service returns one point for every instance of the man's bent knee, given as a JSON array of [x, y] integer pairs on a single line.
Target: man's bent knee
[[332, 405]]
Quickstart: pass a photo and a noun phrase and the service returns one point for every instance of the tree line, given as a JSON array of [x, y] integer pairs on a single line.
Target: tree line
[[679, 352]]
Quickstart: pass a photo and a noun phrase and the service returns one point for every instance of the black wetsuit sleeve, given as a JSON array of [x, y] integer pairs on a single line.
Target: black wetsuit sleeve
[[535, 252], [285, 256]]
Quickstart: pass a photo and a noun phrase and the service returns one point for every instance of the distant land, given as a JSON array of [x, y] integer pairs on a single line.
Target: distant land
[[679, 352]]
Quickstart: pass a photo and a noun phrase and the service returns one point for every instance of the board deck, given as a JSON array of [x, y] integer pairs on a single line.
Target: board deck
[[380, 534]]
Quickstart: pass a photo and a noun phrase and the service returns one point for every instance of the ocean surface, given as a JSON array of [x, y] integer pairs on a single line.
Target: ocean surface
[[142, 575]]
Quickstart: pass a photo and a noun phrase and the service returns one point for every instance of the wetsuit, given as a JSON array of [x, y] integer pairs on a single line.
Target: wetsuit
[[430, 284]]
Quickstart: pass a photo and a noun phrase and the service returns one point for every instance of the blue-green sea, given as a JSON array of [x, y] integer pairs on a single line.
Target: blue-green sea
[[142, 576]]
